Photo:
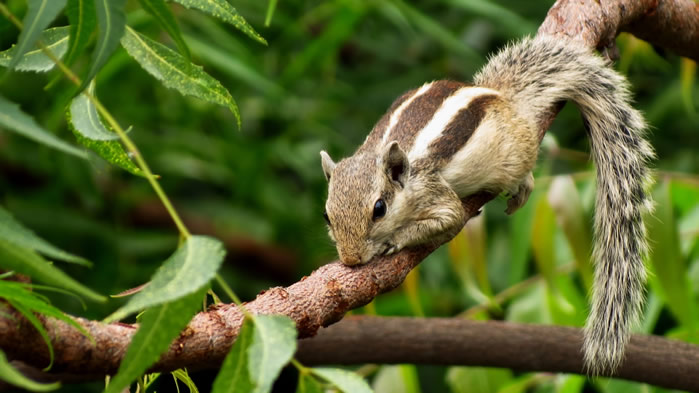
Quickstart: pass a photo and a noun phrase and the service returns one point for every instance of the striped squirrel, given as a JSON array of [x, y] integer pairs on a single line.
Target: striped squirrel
[[447, 140]]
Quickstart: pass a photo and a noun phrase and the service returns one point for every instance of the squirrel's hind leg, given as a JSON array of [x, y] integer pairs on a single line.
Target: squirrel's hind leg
[[520, 194]]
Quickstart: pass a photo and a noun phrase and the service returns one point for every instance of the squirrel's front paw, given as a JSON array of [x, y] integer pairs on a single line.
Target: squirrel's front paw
[[520, 194]]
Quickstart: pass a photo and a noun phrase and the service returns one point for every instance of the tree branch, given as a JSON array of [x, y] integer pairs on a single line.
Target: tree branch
[[669, 24], [323, 298], [522, 347]]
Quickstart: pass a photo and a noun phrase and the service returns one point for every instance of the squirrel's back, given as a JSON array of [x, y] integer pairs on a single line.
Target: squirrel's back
[[452, 127]]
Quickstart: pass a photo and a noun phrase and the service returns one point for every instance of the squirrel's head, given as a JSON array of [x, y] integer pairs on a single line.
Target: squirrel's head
[[364, 194]]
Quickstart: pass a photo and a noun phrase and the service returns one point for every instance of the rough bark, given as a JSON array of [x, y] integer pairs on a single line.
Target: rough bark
[[323, 298]]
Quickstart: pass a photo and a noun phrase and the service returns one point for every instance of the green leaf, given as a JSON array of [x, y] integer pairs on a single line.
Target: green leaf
[[467, 255], [222, 10], [111, 21], [401, 378], [520, 240], [264, 345], [189, 269], [220, 58], [14, 232], [176, 72], [158, 327], [273, 345], [90, 132], [308, 384], [667, 261], [328, 44], [346, 381], [271, 6], [29, 315], [438, 32], [28, 262], [688, 77], [234, 375], [183, 376], [19, 293], [542, 238], [163, 15], [12, 118], [513, 24], [477, 379], [40, 13], [86, 121], [83, 21], [572, 384], [527, 307], [14, 377], [565, 201], [55, 40]]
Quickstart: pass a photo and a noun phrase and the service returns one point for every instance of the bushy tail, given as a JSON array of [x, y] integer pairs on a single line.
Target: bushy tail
[[537, 73]]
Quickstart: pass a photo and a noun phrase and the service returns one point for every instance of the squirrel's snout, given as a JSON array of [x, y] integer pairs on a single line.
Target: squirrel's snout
[[350, 260]]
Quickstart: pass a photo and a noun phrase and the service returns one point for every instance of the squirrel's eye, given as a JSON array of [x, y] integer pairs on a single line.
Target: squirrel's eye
[[325, 216], [379, 209]]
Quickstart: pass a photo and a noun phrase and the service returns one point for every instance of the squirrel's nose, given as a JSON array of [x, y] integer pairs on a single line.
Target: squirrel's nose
[[350, 259]]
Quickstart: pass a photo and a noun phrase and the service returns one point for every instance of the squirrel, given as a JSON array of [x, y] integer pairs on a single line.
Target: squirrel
[[447, 140]]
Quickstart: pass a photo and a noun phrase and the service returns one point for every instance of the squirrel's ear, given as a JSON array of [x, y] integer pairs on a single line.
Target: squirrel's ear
[[396, 163], [328, 164]]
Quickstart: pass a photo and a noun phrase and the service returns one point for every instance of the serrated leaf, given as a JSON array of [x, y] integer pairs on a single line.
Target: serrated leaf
[[83, 21], [14, 232], [90, 132], [308, 384], [163, 15], [111, 21], [112, 151], [17, 292], [175, 72], [222, 10], [12, 118], [86, 121], [10, 375], [158, 327], [55, 40], [273, 345], [234, 375], [189, 269], [40, 13], [26, 261], [34, 321], [346, 381]]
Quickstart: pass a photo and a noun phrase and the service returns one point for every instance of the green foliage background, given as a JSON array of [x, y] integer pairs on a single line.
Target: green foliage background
[[329, 71]]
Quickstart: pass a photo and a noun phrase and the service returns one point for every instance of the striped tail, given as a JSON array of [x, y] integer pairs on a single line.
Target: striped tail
[[537, 73]]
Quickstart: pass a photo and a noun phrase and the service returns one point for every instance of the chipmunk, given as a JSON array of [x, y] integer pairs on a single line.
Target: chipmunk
[[447, 140]]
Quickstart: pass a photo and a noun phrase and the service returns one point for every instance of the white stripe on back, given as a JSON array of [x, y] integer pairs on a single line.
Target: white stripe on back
[[446, 112], [396, 114]]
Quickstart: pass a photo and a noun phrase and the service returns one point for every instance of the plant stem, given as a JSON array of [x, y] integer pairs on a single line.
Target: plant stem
[[130, 145]]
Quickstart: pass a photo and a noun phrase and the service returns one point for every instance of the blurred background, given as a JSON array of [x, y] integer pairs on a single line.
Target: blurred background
[[329, 72]]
